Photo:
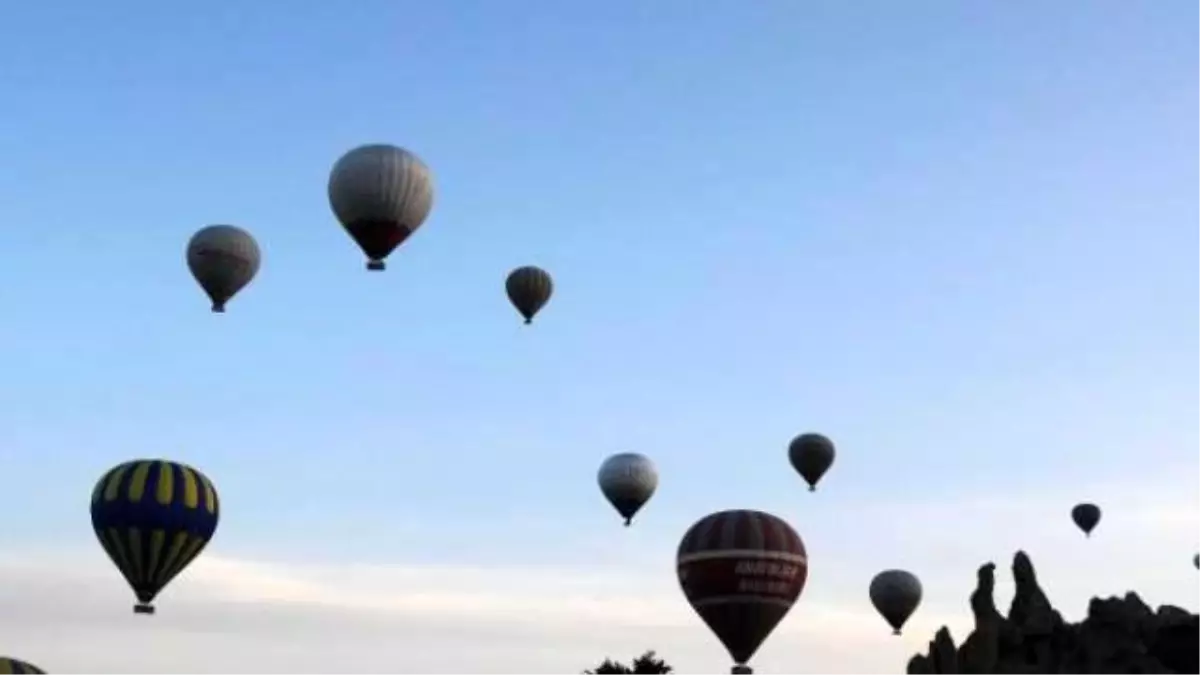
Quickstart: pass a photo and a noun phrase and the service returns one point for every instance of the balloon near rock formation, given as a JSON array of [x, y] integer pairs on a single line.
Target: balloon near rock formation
[[742, 571], [628, 481], [896, 595], [380, 194], [1086, 517]]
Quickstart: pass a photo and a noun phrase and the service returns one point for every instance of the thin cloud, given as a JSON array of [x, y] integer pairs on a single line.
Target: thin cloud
[[226, 614]]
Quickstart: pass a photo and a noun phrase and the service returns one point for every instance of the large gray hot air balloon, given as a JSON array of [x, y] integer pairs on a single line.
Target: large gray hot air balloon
[[628, 480], [529, 289], [381, 194], [811, 455], [1086, 517], [895, 594], [223, 259]]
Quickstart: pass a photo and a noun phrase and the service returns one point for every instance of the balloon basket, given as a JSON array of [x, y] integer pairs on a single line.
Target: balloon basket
[[143, 609], [376, 265]]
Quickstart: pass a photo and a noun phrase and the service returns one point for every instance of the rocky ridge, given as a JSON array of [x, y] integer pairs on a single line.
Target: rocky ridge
[[1119, 635]]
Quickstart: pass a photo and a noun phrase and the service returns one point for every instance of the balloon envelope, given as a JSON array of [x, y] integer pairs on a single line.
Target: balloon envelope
[[529, 289], [380, 194], [223, 259], [11, 666], [628, 480], [896, 595], [742, 571], [153, 517], [1086, 517], [811, 456]]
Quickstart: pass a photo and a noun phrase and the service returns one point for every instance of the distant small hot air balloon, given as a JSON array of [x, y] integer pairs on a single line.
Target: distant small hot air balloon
[[1196, 561], [380, 194], [11, 666], [223, 259], [153, 517], [628, 481], [811, 455], [742, 571], [529, 289], [1086, 517], [896, 595]]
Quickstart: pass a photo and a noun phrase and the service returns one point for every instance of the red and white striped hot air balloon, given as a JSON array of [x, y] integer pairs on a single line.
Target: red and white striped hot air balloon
[[742, 571]]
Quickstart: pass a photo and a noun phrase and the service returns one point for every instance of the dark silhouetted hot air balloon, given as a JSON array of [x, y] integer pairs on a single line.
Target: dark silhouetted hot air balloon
[[742, 571], [628, 481], [1086, 517], [381, 194], [895, 594], [11, 666], [1196, 561], [223, 259], [153, 517], [529, 289], [811, 455]]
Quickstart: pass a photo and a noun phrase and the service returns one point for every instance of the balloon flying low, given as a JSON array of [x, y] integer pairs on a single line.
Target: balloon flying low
[[380, 194], [896, 595], [223, 259], [742, 571], [11, 666], [628, 480], [811, 456], [153, 517], [1086, 517], [529, 289]]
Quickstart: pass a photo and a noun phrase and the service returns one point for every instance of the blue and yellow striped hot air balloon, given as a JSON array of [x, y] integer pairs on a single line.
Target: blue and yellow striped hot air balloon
[[11, 666], [153, 517]]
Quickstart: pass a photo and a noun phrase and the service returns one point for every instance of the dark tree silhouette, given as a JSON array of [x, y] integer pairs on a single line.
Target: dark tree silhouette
[[648, 664]]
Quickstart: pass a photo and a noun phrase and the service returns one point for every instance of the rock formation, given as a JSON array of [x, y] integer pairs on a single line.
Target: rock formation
[[1119, 635]]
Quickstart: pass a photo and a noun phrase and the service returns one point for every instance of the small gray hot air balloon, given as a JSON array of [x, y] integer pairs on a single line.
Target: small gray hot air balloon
[[628, 481], [223, 259], [895, 594], [381, 194], [811, 455], [1196, 561], [529, 289], [1086, 517]]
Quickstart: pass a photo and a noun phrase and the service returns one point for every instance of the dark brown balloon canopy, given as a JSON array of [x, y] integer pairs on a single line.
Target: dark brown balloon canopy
[[529, 289]]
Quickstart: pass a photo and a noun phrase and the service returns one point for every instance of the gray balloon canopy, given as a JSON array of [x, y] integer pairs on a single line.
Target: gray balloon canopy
[[896, 595], [380, 194], [223, 259]]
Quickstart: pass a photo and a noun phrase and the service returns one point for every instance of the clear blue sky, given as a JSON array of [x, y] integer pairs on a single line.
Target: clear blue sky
[[959, 238]]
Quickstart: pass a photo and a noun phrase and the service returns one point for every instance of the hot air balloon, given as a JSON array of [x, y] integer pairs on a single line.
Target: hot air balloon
[[153, 517], [381, 194], [223, 259], [895, 594], [1196, 561], [1086, 516], [811, 455], [628, 481], [11, 666], [742, 571], [529, 289]]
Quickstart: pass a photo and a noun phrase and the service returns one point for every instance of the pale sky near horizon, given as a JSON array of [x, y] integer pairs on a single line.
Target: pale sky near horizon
[[958, 238]]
